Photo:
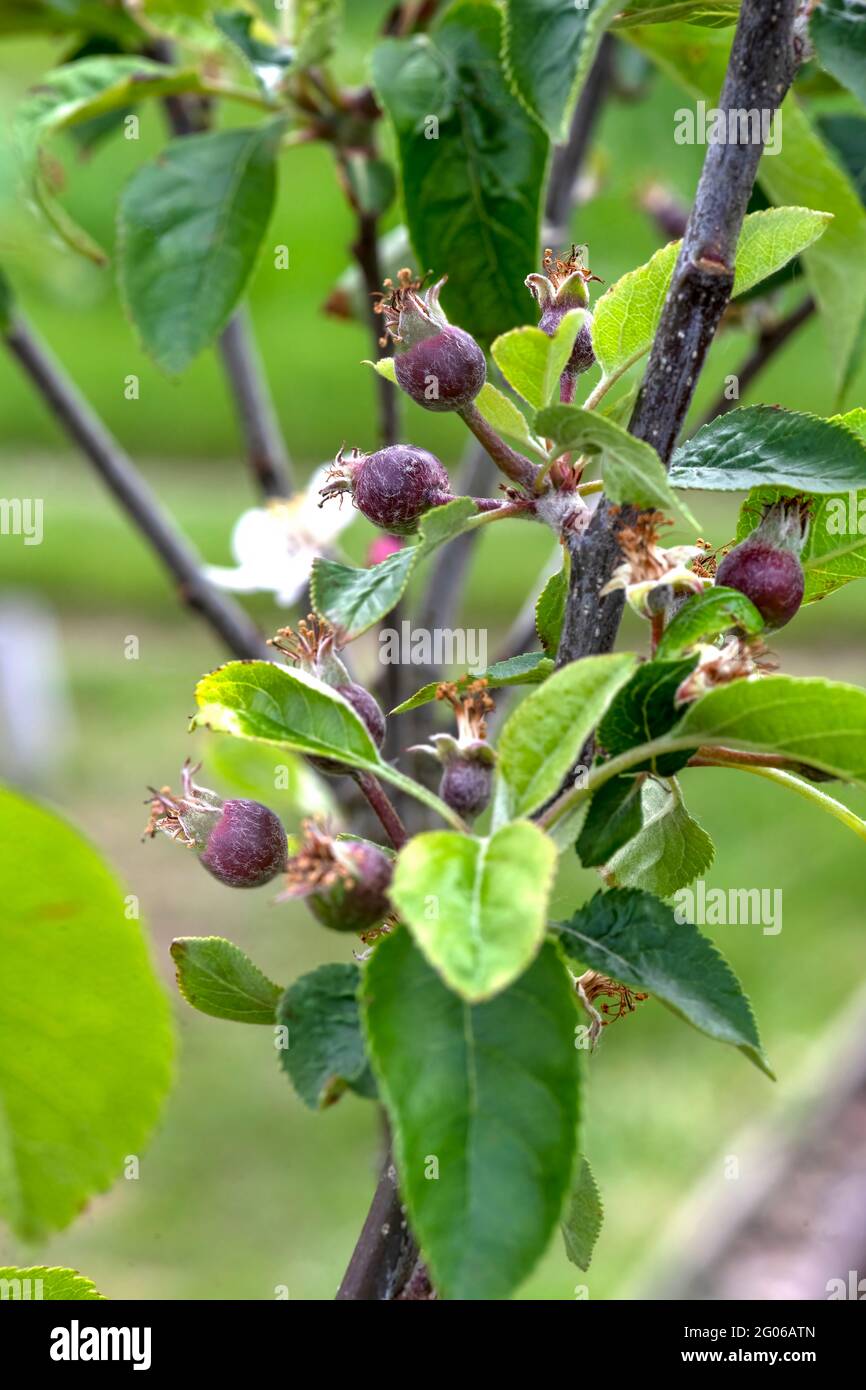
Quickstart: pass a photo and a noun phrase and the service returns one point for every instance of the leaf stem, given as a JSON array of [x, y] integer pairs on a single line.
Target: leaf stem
[[744, 760], [602, 387], [807, 790], [231, 92]]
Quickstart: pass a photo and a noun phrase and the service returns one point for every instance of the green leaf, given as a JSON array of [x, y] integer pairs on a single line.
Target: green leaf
[[91, 87], [636, 939], [85, 1029], [266, 55], [68, 16], [189, 23], [529, 668], [260, 699], [613, 819], [835, 548], [550, 608], [487, 1092], [442, 524], [532, 362], [318, 29], [762, 444], [847, 136], [705, 616], [505, 417], [292, 788], [285, 706], [543, 737], [476, 907], [627, 315], [372, 183], [189, 228], [45, 1282], [472, 185], [853, 420], [670, 851], [716, 14], [582, 1218], [549, 47], [633, 471], [802, 171], [643, 710], [354, 599], [817, 722], [325, 1052], [621, 409], [838, 31], [385, 367], [771, 239], [217, 978], [73, 94]]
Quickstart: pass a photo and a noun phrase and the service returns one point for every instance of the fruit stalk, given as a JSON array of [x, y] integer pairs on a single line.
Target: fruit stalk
[[381, 804], [515, 467]]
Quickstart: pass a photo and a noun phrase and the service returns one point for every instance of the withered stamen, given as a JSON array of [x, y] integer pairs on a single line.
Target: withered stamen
[[470, 706]]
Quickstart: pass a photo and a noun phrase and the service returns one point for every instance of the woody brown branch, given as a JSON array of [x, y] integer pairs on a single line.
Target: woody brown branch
[[761, 67]]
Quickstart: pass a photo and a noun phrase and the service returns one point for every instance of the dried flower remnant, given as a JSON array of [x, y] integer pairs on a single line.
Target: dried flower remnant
[[648, 567], [562, 286], [313, 646], [592, 985], [468, 759], [440, 367], [738, 658], [343, 882]]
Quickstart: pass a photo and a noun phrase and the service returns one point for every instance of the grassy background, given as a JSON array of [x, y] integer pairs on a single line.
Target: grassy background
[[243, 1189]]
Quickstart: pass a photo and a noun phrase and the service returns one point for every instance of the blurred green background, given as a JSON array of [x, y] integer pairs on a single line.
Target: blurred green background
[[243, 1189]]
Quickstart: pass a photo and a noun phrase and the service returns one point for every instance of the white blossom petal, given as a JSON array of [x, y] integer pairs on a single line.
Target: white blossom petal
[[275, 545]]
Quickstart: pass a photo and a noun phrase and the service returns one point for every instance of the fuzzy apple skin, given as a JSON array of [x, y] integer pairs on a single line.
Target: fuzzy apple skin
[[772, 579], [396, 486], [367, 709], [582, 354], [247, 846], [358, 905], [466, 787], [444, 372]]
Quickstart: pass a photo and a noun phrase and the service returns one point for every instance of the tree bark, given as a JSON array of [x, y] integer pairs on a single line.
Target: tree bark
[[761, 67]]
